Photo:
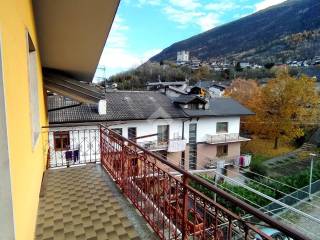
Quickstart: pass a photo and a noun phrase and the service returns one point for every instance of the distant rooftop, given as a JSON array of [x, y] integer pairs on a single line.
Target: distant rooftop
[[166, 83], [220, 107], [208, 84]]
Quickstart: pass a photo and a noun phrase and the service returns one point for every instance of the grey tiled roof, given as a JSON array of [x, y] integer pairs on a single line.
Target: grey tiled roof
[[120, 106], [208, 84], [83, 113], [140, 105], [204, 84], [220, 107], [177, 90]]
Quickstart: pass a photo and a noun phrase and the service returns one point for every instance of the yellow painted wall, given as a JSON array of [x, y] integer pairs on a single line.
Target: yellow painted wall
[[26, 165]]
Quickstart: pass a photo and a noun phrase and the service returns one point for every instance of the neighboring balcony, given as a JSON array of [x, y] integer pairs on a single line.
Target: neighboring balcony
[[239, 160], [173, 145], [225, 138], [154, 145]]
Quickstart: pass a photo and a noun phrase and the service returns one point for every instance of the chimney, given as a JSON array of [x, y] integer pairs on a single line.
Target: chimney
[[102, 107]]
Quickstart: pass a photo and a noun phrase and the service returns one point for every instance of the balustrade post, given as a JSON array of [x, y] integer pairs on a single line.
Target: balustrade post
[[101, 145], [185, 206], [122, 170]]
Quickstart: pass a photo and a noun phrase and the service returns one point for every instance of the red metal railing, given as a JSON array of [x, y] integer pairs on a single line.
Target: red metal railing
[[170, 205]]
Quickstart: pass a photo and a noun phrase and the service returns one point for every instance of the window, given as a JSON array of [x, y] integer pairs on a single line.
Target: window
[[33, 91], [132, 133], [222, 150], [61, 141], [163, 134], [222, 127], [193, 146], [194, 106], [118, 130]]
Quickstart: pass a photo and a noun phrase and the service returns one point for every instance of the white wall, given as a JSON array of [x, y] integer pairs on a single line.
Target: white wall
[[207, 125], [216, 91], [147, 127]]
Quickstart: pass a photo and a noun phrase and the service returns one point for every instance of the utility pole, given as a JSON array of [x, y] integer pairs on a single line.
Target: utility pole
[[312, 155]]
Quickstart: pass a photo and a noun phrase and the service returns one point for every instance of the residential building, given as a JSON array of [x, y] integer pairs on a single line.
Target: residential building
[[183, 56], [215, 89], [188, 130], [245, 65]]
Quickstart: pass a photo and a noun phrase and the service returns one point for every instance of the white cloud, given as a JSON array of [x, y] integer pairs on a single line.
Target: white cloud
[[184, 18], [150, 2], [267, 3], [208, 21], [117, 59], [116, 56], [221, 6], [181, 16], [186, 4]]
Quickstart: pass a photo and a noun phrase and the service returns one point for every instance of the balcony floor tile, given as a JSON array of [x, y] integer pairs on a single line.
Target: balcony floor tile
[[84, 203]]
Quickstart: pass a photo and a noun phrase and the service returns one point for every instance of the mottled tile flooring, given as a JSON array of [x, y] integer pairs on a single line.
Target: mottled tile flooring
[[84, 203]]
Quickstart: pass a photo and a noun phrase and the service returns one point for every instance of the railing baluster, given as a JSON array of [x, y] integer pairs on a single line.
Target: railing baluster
[[185, 198]]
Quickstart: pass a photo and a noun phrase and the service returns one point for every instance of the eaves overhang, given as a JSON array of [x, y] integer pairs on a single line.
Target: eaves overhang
[[72, 33]]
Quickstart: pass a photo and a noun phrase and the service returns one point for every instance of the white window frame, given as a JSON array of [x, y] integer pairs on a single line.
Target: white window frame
[[33, 91]]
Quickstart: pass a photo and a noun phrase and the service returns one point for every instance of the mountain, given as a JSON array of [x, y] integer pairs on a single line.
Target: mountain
[[280, 32]]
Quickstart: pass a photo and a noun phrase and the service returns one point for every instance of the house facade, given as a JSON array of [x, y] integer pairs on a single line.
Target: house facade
[[213, 88], [191, 131]]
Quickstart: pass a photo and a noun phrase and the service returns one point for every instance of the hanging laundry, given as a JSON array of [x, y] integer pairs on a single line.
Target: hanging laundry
[[75, 155]]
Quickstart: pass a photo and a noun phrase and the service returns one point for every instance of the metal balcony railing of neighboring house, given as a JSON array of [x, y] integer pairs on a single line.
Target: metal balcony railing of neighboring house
[[225, 138], [173, 208], [172, 145], [154, 145], [228, 160]]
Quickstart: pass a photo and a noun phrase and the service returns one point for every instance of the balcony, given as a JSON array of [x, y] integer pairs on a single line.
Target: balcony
[[154, 145], [84, 203], [242, 160], [225, 138], [226, 160], [89, 202], [173, 145]]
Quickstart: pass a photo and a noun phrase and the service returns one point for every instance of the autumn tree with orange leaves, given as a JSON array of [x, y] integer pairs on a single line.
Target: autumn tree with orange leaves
[[248, 93], [283, 107], [288, 104]]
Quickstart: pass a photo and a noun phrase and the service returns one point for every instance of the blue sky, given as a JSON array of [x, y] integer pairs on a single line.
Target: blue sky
[[143, 28]]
